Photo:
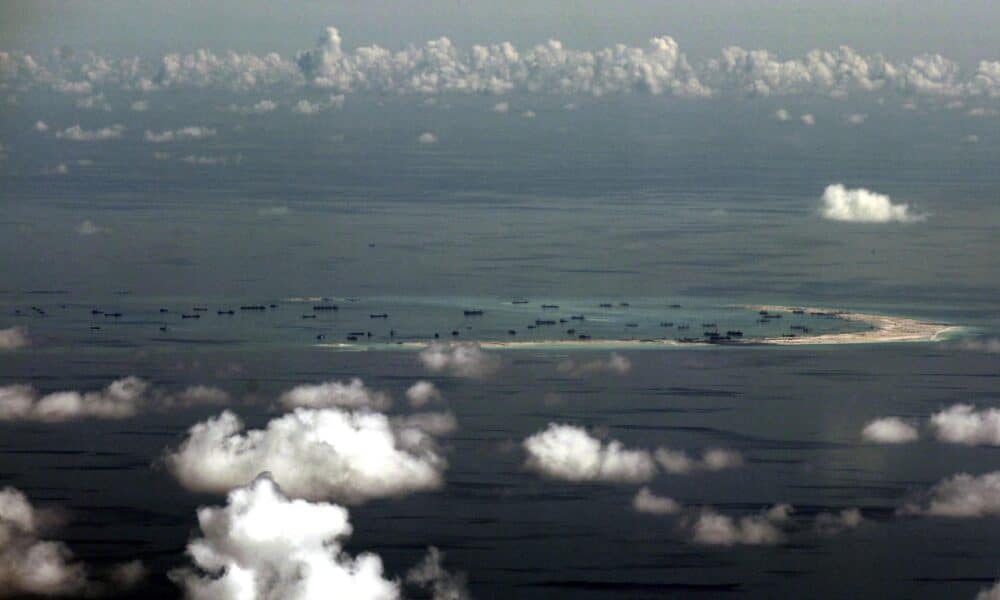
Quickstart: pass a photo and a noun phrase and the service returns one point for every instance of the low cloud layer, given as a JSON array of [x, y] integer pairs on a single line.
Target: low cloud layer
[[463, 359], [353, 395], [963, 424], [570, 453], [122, 399], [676, 462], [264, 545], [961, 496], [710, 528], [193, 132], [78, 134], [890, 430], [645, 501], [30, 565], [13, 338], [326, 454], [863, 206], [422, 393], [434, 579]]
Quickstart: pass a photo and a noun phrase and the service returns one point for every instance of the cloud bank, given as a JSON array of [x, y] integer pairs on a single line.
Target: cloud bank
[[329, 454], [193, 132], [464, 359], [570, 453], [863, 206], [710, 528], [122, 399], [889, 430], [963, 424], [353, 395], [961, 496], [78, 134], [264, 545], [13, 338]]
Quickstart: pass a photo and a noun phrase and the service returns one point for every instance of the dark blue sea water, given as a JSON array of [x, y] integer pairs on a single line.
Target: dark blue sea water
[[642, 201]]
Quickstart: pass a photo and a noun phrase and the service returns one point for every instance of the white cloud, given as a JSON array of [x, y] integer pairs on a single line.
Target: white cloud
[[78, 134], [834, 523], [714, 459], [646, 501], [615, 364], [972, 138], [856, 119], [13, 338], [427, 138], [961, 496], [353, 395], [423, 392], [464, 359], [501, 107], [74, 87], [193, 132], [161, 155], [319, 454], [33, 566], [963, 424], [431, 423], [41, 126], [264, 545], [259, 108], [88, 227], [140, 106], [122, 399], [808, 119], [29, 565], [981, 111], [889, 430], [305, 107], [711, 528], [992, 593], [95, 102], [431, 576], [863, 206], [570, 453], [782, 115], [528, 114]]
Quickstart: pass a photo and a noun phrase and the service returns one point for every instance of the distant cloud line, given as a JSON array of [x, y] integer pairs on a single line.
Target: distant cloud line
[[438, 66]]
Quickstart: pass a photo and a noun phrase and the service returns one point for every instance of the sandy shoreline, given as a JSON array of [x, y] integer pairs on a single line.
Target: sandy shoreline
[[884, 329]]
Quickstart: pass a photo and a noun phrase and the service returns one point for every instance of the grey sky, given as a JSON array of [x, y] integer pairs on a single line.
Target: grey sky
[[964, 30]]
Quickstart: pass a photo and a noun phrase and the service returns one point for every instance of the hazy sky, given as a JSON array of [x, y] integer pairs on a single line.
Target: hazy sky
[[963, 30]]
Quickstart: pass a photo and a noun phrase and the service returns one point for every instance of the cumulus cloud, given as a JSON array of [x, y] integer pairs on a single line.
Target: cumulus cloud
[[353, 395], [889, 430], [41, 126], [202, 160], [78, 134], [122, 399], [501, 107], [193, 132], [646, 501], [305, 107], [856, 119], [88, 227], [714, 459], [808, 119], [834, 523], [782, 114], [427, 138], [465, 359], [992, 593], [259, 108], [95, 102], [13, 338], [710, 528], [423, 392], [140, 106], [317, 454], [431, 423], [961, 496], [431, 576], [570, 453], [274, 211], [33, 566], [614, 364], [263, 544], [863, 206], [963, 424]]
